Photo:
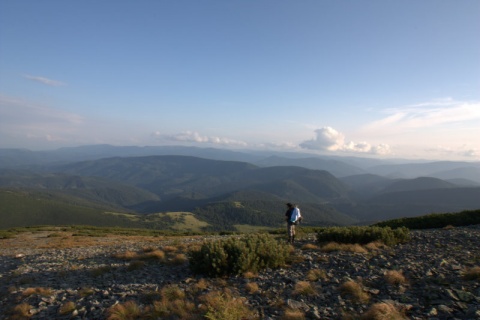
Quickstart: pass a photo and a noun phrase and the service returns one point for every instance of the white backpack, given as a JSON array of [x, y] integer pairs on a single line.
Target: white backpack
[[296, 216]]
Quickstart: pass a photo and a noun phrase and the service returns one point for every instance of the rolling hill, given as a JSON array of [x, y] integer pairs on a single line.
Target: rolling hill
[[222, 194], [421, 183], [412, 203], [34, 207], [180, 176], [438, 169], [208, 188], [95, 190], [335, 167]]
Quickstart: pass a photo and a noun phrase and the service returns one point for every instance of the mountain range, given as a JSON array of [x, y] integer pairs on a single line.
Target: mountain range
[[225, 189]]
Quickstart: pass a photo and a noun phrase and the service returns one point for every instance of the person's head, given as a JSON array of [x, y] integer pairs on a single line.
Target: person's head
[[289, 205]]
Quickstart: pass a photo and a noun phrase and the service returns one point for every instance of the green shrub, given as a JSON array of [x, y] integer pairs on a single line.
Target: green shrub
[[435, 220], [239, 255], [363, 235], [6, 234]]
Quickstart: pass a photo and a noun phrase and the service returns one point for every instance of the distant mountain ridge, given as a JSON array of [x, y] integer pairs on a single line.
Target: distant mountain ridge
[[196, 178], [228, 192], [337, 165]]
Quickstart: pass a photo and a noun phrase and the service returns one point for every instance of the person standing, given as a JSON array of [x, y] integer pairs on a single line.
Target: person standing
[[292, 216]]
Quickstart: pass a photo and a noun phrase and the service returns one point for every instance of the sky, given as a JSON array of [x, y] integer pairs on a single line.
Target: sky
[[384, 78]]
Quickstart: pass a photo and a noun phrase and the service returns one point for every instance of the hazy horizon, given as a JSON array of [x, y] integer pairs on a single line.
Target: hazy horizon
[[383, 79]]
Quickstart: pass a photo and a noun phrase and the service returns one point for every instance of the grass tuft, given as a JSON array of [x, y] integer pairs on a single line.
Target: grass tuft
[[201, 285], [222, 305], [375, 245], [99, 271], [67, 308], [334, 246], [383, 311], [309, 246], [250, 275], [125, 311], [154, 255], [172, 293], [304, 288], [176, 309], [251, 287], [354, 291], [179, 259], [45, 292], [127, 255], [472, 274], [86, 291], [316, 274], [21, 311], [293, 314], [395, 277], [170, 249], [136, 265]]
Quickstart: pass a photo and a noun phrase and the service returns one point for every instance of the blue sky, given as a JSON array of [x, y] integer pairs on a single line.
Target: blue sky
[[367, 78]]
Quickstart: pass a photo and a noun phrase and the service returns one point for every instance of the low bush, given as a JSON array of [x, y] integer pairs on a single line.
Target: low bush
[[239, 255], [435, 220], [363, 235]]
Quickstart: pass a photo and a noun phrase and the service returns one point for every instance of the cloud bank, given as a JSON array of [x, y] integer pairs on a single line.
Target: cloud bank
[[329, 139], [195, 137]]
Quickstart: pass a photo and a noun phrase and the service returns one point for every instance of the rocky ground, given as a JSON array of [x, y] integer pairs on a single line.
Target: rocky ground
[[43, 271]]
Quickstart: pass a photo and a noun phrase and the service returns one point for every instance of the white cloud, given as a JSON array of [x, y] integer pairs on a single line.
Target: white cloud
[[471, 153], [43, 80], [25, 113], [195, 137], [326, 138], [25, 123], [277, 145], [464, 151], [434, 129], [427, 115], [329, 139], [17, 112]]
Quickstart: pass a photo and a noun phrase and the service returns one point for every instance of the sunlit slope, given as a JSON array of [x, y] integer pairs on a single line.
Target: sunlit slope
[[23, 208]]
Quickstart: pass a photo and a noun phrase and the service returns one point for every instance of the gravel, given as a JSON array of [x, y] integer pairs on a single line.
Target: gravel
[[433, 264]]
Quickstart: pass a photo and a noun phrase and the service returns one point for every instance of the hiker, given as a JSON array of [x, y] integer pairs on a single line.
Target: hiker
[[292, 216]]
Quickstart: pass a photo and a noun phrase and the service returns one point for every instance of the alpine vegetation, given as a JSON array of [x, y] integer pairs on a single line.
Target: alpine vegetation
[[239, 255], [363, 235]]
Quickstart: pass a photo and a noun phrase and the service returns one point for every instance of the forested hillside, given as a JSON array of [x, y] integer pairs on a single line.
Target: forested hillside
[[222, 194]]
